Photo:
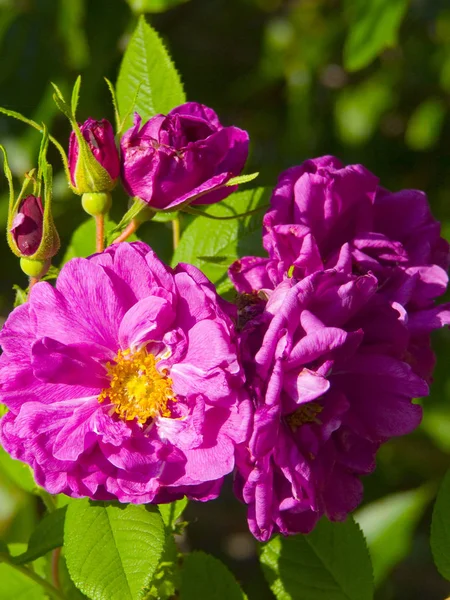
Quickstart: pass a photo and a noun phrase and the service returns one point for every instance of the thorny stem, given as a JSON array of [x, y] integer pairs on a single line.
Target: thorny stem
[[129, 230], [100, 233], [176, 232]]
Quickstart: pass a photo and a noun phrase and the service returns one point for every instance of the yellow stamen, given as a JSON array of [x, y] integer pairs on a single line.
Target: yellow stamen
[[137, 389], [307, 413]]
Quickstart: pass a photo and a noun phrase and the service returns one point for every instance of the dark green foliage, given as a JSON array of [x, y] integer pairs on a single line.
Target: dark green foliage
[[365, 80]]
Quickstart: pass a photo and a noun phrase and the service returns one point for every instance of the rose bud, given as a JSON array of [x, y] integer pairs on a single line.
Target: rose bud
[[182, 158], [32, 236], [27, 225], [93, 158]]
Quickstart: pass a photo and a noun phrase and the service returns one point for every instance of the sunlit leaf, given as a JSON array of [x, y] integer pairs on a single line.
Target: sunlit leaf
[[171, 512], [112, 550], [17, 471], [147, 66], [231, 239], [67, 586], [21, 295], [48, 535], [203, 576], [241, 179], [388, 525], [17, 586], [167, 578], [330, 563]]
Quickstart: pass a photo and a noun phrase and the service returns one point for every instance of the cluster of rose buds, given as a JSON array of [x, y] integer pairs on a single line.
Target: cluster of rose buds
[[133, 381], [172, 161]]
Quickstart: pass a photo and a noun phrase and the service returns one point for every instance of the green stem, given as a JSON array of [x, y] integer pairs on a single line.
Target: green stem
[[48, 500], [176, 232], [49, 589]]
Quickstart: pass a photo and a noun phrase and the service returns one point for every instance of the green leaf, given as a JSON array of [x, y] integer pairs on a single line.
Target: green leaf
[[425, 124], [153, 6], [9, 179], [241, 179], [67, 586], [17, 471], [17, 586], [82, 242], [146, 63], [231, 239], [388, 525], [440, 529], [330, 563], [19, 117], [112, 550], [48, 535], [166, 580], [75, 96], [25, 582], [204, 576], [61, 103], [21, 295], [112, 91], [164, 216], [373, 26], [171, 512]]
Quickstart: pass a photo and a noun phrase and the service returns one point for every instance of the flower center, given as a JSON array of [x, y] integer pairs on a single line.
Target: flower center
[[137, 389], [307, 413]]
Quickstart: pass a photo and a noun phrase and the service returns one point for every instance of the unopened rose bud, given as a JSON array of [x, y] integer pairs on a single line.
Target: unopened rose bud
[[31, 234], [93, 160], [27, 225]]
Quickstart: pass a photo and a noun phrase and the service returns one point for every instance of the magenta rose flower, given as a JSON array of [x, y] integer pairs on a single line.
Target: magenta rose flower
[[182, 157], [327, 215], [123, 382], [99, 136], [324, 362], [27, 225]]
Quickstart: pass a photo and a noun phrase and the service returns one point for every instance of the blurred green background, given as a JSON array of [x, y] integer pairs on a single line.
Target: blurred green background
[[366, 80]]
